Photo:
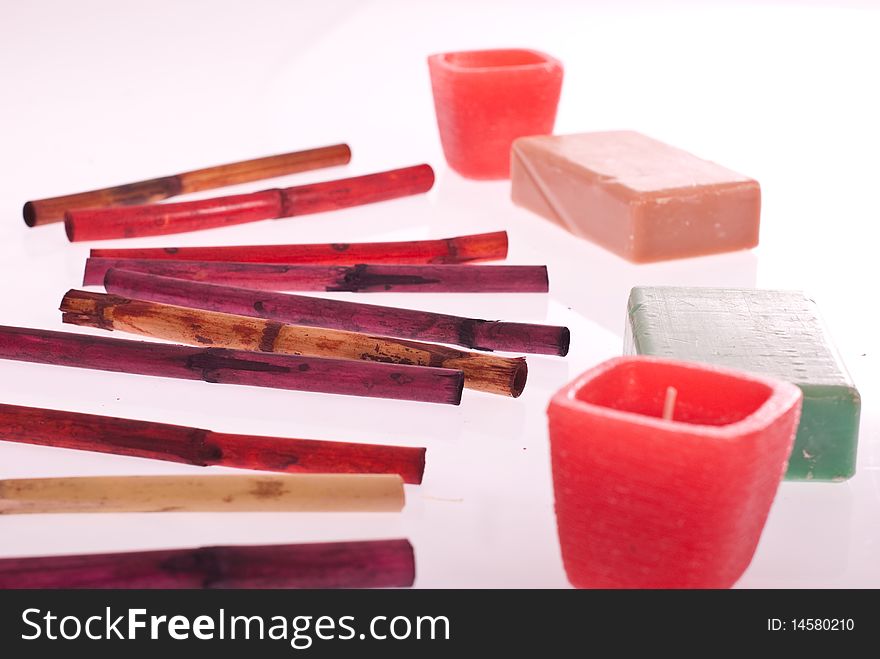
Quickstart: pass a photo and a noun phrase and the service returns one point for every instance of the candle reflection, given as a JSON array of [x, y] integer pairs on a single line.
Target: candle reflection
[[819, 521]]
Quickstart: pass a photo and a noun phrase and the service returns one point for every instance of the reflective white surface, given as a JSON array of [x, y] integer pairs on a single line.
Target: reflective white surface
[[101, 93]]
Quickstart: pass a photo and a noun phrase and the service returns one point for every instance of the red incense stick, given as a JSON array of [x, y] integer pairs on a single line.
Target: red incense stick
[[203, 448], [461, 249], [161, 219], [44, 211], [371, 564], [318, 374], [337, 314], [338, 278]]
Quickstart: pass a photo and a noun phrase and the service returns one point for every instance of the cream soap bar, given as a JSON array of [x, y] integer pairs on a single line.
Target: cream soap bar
[[642, 199]]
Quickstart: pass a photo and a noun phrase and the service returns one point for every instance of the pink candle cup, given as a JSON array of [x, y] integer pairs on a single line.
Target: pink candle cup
[[664, 471], [485, 99]]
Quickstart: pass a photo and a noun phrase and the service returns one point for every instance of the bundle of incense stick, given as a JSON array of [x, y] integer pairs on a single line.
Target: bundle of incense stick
[[338, 278], [461, 249], [373, 564], [161, 219], [44, 211], [338, 314], [202, 448], [220, 365], [115, 494], [490, 373]]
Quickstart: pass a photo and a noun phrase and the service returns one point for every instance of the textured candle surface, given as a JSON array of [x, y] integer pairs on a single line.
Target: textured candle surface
[[646, 502], [485, 99], [640, 198], [776, 333]]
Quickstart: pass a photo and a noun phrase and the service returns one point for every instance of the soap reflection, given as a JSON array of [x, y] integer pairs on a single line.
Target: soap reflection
[[586, 278], [596, 283], [462, 206]]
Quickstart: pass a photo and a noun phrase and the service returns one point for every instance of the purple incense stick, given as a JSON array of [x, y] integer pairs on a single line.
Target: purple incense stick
[[336, 278], [371, 564], [319, 374], [337, 314]]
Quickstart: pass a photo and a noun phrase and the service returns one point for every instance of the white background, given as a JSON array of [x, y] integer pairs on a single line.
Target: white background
[[101, 93]]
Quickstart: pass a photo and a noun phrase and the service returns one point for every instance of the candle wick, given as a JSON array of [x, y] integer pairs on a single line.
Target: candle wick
[[669, 403]]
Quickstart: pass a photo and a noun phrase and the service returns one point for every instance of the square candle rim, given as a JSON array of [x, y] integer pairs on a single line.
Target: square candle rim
[[441, 61], [782, 396]]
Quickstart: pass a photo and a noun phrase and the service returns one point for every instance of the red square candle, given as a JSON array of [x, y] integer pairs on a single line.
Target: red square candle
[[651, 495], [485, 99]]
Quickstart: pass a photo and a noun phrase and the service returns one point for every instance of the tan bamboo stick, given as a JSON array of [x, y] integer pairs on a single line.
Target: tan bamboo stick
[[471, 333], [222, 493], [490, 373]]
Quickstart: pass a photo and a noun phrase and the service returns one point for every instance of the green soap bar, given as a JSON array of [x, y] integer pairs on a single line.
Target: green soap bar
[[776, 333]]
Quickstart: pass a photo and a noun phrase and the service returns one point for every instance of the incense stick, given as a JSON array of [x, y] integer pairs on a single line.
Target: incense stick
[[337, 278], [490, 373], [461, 249], [373, 564], [203, 448], [338, 314], [219, 365], [45, 211], [150, 494], [163, 219]]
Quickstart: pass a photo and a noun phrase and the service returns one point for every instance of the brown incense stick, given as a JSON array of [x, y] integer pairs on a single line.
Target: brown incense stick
[[203, 448], [371, 564], [45, 211], [268, 493], [219, 365], [340, 314], [490, 373], [360, 278], [461, 249]]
